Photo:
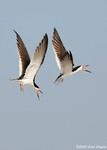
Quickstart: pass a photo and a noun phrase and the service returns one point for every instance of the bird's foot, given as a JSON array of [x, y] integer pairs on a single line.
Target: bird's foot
[[58, 80], [22, 87]]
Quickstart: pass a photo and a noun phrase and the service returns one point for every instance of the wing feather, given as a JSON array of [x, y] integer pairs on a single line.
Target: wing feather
[[37, 59], [24, 58], [64, 58]]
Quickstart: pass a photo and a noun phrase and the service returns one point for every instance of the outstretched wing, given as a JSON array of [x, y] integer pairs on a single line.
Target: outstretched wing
[[37, 59], [24, 58], [64, 58]]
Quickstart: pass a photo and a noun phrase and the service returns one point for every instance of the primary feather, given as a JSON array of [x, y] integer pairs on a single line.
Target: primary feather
[[24, 58], [63, 57]]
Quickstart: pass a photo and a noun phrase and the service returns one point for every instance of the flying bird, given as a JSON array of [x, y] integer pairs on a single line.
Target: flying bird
[[28, 68], [64, 59]]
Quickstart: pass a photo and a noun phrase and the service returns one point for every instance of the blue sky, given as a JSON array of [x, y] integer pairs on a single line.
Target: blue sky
[[73, 113]]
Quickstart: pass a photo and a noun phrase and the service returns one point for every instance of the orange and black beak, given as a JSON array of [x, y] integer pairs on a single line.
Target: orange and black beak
[[86, 69], [37, 92]]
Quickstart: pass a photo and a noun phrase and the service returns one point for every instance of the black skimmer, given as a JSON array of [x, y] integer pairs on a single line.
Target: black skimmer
[[28, 69], [64, 59]]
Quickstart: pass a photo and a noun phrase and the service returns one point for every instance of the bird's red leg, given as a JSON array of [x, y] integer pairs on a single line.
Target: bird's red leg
[[22, 87]]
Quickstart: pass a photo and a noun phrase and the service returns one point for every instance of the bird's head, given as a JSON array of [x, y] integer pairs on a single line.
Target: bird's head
[[37, 89], [37, 92], [84, 68]]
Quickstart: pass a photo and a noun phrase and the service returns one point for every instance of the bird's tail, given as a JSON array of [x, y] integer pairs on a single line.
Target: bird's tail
[[59, 79], [13, 79]]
